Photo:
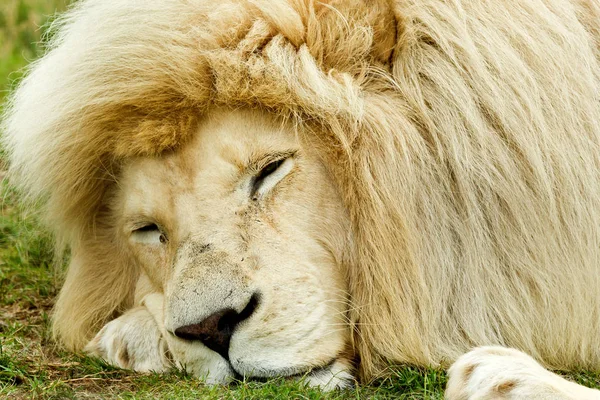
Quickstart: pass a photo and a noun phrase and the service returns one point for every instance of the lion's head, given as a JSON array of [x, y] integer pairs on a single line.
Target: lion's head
[[244, 232]]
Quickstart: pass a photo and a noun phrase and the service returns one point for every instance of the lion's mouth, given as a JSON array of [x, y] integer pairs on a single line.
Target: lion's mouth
[[330, 375], [240, 369], [259, 373]]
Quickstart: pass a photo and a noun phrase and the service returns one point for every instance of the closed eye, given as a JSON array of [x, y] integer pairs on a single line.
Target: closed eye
[[149, 234], [270, 176]]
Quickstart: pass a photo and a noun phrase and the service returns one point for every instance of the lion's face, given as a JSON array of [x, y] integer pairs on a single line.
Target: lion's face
[[245, 234]]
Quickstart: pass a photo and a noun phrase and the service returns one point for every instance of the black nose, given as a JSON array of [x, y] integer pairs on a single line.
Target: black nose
[[216, 330]]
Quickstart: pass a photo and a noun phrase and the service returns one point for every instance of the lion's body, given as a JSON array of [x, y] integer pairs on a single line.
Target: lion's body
[[463, 137]]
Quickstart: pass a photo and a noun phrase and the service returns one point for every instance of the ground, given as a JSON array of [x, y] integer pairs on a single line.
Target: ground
[[32, 366]]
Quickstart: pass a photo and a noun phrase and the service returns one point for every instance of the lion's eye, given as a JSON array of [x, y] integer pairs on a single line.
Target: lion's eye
[[269, 176], [149, 234]]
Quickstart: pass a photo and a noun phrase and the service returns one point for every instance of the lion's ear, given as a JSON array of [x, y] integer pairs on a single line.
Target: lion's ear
[[100, 283], [338, 34], [342, 33], [380, 18]]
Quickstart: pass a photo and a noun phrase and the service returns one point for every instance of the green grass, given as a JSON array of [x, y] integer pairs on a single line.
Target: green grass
[[31, 366]]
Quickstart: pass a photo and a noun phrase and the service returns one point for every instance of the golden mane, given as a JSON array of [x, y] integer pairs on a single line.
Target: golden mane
[[464, 138]]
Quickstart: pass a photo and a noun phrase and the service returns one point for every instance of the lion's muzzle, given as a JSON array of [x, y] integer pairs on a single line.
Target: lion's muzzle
[[216, 330]]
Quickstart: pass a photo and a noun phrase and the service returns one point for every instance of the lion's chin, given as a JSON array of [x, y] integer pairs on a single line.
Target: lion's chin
[[329, 376], [215, 369]]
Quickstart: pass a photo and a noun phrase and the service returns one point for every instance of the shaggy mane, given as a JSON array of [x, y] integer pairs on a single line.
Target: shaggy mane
[[463, 135]]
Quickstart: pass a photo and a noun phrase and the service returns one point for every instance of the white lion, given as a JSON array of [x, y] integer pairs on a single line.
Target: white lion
[[318, 189]]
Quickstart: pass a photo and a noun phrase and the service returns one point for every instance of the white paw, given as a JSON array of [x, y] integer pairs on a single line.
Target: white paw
[[335, 376], [132, 341], [503, 373]]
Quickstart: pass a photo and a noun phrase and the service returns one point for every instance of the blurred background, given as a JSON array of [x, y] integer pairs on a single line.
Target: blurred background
[[22, 25]]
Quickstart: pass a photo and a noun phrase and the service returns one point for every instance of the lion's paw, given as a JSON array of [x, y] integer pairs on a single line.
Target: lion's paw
[[132, 341], [335, 376], [503, 373]]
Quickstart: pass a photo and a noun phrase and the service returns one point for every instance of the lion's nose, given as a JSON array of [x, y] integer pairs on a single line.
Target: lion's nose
[[216, 330]]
